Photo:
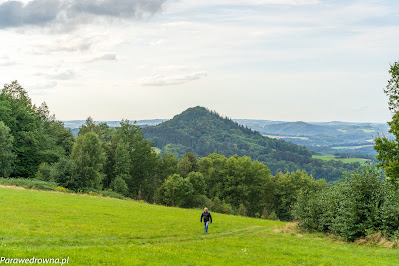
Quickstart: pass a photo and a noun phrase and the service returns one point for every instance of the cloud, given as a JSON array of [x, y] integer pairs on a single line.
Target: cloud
[[42, 88], [106, 57], [172, 80], [44, 12], [6, 61], [62, 75]]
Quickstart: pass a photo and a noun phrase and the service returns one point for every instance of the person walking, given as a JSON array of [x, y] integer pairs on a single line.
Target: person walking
[[207, 217]]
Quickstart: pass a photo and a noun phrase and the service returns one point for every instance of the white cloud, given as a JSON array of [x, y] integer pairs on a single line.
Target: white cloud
[[5, 60], [172, 80], [105, 57], [60, 75]]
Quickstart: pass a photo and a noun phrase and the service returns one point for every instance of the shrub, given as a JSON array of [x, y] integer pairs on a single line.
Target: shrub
[[360, 204], [61, 189], [242, 210], [119, 185], [44, 172]]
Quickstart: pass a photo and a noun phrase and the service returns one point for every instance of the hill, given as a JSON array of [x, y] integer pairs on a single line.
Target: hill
[[298, 129], [203, 132], [96, 231]]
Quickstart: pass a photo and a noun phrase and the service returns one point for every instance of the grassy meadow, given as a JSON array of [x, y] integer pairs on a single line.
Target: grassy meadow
[[93, 231], [344, 160]]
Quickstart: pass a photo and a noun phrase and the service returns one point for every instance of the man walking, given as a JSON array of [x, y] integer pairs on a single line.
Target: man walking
[[207, 217]]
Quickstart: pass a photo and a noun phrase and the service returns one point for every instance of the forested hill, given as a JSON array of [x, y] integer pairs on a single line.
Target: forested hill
[[202, 132]]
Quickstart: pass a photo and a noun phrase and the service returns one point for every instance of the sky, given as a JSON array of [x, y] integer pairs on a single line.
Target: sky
[[287, 60]]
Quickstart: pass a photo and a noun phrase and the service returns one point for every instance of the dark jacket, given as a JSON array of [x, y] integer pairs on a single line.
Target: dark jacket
[[207, 216]]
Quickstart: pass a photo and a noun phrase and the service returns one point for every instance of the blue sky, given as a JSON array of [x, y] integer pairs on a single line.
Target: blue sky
[[309, 60]]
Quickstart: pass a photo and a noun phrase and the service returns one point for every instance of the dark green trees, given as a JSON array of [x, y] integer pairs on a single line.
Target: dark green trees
[[7, 156], [89, 158], [38, 137], [237, 180], [360, 204], [388, 149]]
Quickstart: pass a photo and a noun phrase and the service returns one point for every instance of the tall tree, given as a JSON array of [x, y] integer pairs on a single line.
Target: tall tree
[[122, 165], [7, 155], [89, 157], [187, 165], [144, 163], [388, 149], [38, 137]]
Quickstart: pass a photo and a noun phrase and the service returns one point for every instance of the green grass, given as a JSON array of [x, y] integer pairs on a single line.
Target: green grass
[[344, 160], [94, 231]]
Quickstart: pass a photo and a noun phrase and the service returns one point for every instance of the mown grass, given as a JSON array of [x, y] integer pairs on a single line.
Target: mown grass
[[344, 160], [94, 231]]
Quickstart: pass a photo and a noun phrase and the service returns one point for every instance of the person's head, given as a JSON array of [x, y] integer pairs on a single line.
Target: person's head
[[205, 210]]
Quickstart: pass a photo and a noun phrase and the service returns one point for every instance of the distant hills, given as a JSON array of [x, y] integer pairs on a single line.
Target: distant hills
[[323, 137], [202, 132]]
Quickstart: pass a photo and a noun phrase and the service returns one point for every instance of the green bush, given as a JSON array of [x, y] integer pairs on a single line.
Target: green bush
[[360, 204], [44, 172]]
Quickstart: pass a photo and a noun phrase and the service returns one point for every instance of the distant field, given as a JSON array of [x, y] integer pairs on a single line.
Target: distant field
[[351, 147], [95, 231], [286, 137], [344, 160]]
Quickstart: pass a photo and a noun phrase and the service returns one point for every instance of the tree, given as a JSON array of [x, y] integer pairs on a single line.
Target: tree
[[122, 165], [392, 89], [168, 166], [388, 149], [176, 191], [89, 157], [198, 182], [38, 137], [187, 164], [7, 155], [236, 180], [140, 163], [19, 114]]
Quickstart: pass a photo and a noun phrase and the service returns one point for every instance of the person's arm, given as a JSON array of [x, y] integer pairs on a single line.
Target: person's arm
[[210, 217], [201, 217]]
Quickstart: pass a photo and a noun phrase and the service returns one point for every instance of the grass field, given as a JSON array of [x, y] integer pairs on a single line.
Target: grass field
[[344, 160], [94, 231]]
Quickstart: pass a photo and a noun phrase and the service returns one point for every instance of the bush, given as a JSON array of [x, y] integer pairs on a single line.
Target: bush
[[119, 185], [273, 216], [61, 189], [44, 172], [242, 210], [360, 204]]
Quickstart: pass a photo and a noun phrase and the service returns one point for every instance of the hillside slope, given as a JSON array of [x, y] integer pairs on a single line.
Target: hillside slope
[[299, 129], [204, 132], [95, 231]]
